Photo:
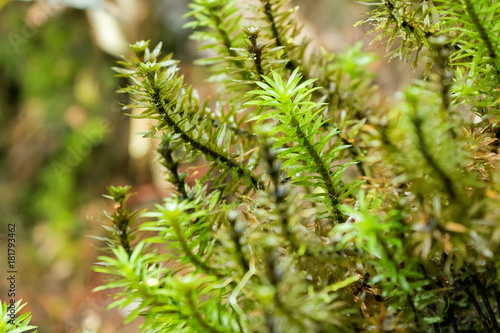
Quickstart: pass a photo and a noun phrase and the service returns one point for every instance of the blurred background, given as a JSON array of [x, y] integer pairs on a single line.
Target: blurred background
[[64, 138]]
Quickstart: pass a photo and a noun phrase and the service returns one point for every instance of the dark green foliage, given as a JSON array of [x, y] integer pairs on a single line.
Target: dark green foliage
[[277, 237]]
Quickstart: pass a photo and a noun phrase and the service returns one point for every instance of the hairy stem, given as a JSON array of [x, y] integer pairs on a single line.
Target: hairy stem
[[415, 312], [486, 301], [205, 149], [450, 316], [187, 251], [279, 195], [472, 298], [198, 317], [482, 33], [268, 11], [121, 220], [223, 33], [323, 171], [173, 166], [447, 181], [235, 235], [255, 52], [274, 276]]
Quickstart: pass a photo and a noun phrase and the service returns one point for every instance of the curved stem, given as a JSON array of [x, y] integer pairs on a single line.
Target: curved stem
[[226, 41], [198, 317], [486, 301], [173, 166], [322, 170], [204, 148], [447, 181], [185, 248], [268, 11], [482, 33], [472, 298]]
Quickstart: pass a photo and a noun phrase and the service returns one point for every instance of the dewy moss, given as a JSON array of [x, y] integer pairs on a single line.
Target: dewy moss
[[276, 237]]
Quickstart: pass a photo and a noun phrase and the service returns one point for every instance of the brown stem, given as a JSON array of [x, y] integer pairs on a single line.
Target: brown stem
[[255, 51]]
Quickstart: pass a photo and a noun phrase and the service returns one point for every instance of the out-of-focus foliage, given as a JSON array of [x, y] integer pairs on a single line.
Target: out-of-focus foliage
[[63, 139], [464, 32], [57, 102]]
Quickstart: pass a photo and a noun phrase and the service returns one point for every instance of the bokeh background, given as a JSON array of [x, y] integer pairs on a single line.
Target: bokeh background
[[64, 137]]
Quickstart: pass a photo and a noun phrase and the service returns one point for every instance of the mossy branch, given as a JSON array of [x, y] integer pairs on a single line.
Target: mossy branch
[[322, 169], [292, 63], [484, 295], [176, 178], [195, 311], [187, 251], [483, 34], [446, 180], [486, 323], [222, 32], [203, 148]]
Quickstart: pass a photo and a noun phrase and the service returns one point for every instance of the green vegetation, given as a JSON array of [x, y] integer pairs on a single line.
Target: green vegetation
[[12, 322], [325, 208]]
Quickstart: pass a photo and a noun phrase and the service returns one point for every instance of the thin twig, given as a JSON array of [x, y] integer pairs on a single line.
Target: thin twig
[[204, 148], [198, 317], [487, 304], [447, 181], [482, 33], [415, 312], [450, 315], [472, 298]]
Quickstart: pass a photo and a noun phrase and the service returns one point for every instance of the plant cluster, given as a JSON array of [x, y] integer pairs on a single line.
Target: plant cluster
[[12, 321], [325, 208]]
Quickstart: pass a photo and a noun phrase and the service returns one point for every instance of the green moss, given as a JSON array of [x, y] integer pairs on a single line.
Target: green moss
[[274, 237]]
